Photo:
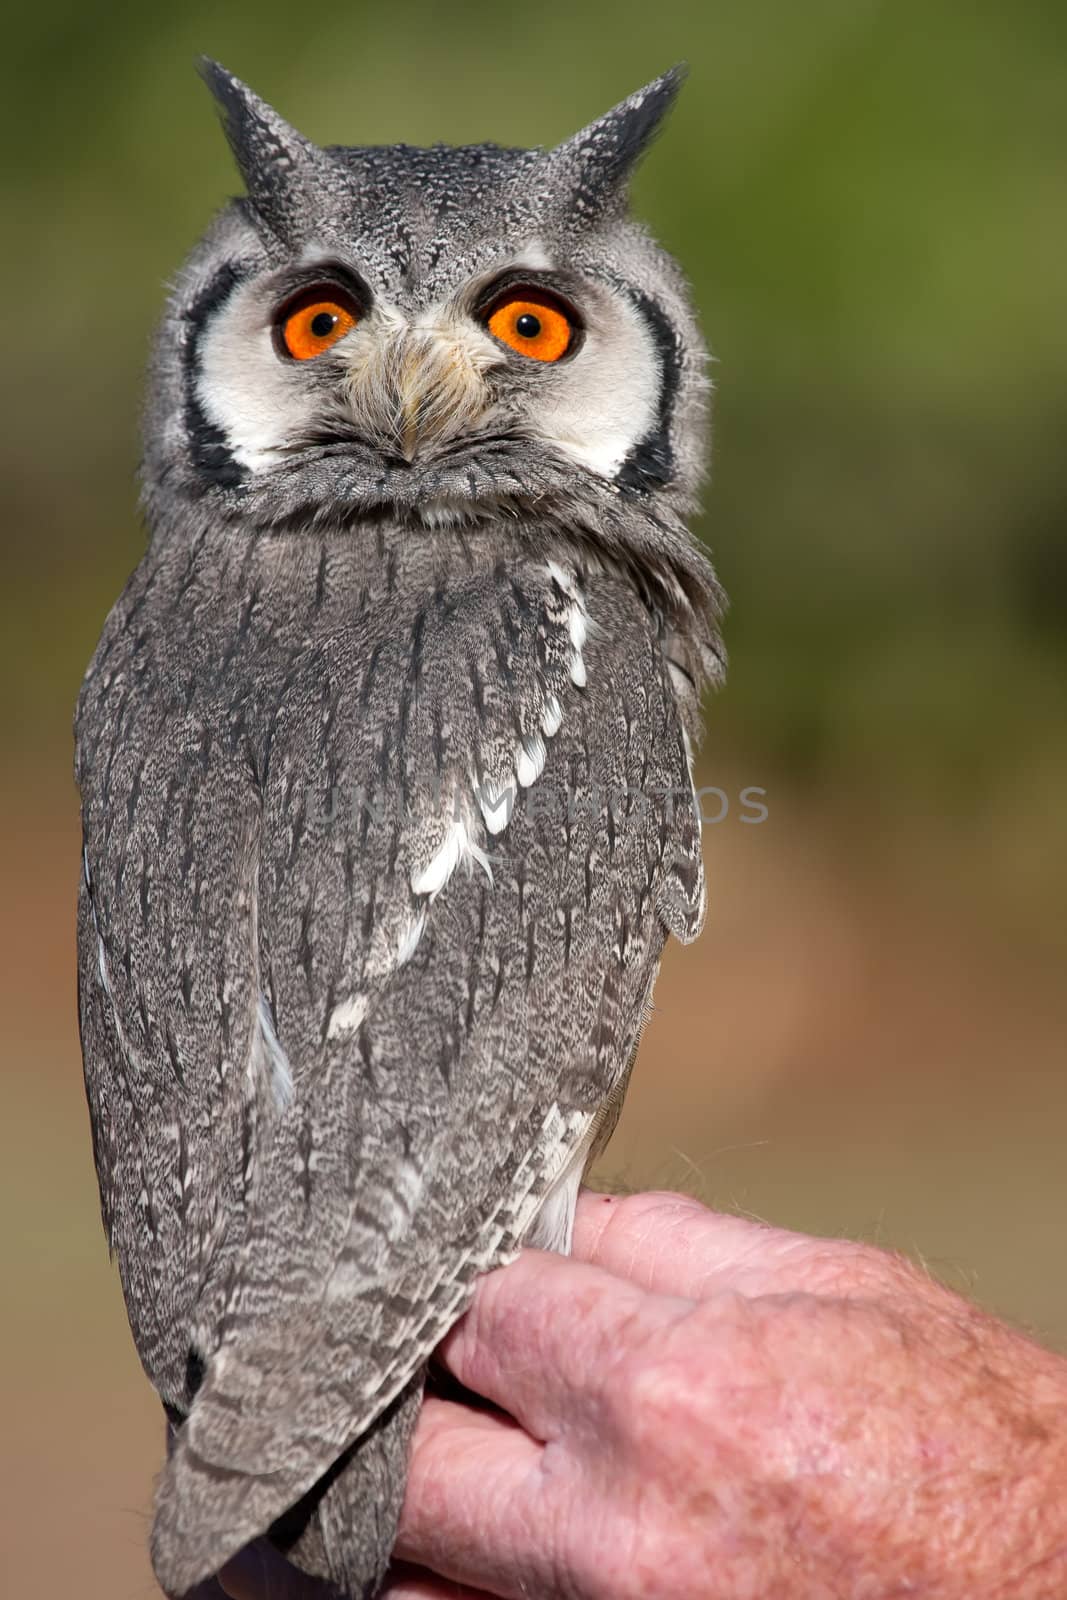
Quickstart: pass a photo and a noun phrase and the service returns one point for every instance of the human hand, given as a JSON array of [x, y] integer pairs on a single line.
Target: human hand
[[699, 1406]]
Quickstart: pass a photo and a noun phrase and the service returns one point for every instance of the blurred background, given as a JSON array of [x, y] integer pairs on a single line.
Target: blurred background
[[869, 200]]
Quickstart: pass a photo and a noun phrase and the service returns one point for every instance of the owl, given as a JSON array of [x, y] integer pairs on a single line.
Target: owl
[[385, 766]]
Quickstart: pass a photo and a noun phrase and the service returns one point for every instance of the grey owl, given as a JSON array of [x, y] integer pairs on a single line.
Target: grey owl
[[384, 757]]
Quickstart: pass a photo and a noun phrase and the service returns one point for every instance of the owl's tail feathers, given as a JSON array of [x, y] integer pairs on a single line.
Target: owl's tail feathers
[[345, 1528], [253, 1449]]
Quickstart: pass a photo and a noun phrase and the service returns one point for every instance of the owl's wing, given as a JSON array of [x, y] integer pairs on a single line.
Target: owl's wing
[[472, 837], [169, 1000]]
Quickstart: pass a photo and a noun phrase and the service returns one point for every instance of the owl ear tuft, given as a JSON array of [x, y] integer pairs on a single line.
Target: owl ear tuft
[[596, 164], [281, 169]]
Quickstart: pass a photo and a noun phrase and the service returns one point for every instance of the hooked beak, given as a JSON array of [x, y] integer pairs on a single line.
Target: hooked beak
[[412, 395], [414, 389]]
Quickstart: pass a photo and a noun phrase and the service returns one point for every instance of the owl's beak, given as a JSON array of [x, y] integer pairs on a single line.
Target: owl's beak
[[415, 389], [409, 437]]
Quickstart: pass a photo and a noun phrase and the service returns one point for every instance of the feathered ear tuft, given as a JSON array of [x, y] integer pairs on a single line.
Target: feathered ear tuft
[[281, 169], [595, 165]]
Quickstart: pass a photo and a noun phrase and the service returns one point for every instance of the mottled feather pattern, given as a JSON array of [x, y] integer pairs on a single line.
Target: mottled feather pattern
[[322, 749]]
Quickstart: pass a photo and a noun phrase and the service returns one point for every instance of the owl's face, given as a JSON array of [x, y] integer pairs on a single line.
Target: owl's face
[[432, 333]]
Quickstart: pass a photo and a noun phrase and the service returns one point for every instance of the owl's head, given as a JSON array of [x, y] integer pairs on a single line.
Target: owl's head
[[436, 334]]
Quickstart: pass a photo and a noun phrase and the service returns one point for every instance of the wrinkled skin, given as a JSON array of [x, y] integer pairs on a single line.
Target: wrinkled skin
[[700, 1406]]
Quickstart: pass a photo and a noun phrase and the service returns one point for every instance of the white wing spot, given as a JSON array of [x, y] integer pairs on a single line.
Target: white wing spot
[[432, 878], [577, 620], [458, 846], [495, 802], [530, 761], [475, 854], [410, 942], [268, 1055], [551, 717], [346, 1017]]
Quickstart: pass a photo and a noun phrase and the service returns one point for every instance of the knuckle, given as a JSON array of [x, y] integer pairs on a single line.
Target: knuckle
[[658, 1401], [851, 1270]]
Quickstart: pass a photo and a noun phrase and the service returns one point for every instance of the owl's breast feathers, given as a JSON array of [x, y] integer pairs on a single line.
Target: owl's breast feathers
[[381, 847]]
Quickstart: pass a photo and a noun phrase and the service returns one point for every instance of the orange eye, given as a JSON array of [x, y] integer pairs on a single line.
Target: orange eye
[[315, 321], [533, 324]]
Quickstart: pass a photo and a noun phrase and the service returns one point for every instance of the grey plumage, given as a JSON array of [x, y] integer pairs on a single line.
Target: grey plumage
[[387, 811]]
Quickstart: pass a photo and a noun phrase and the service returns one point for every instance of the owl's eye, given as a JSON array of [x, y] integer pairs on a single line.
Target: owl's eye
[[314, 320], [533, 323]]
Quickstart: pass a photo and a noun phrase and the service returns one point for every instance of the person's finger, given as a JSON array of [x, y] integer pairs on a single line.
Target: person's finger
[[409, 1583], [474, 1509], [542, 1333], [670, 1244]]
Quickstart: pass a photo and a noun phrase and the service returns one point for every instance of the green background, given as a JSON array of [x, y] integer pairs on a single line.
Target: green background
[[869, 200]]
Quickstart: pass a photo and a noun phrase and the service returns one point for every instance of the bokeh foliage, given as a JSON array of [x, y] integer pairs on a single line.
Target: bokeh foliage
[[869, 199]]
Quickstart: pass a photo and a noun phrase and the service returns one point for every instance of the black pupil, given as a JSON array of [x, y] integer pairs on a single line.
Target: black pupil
[[322, 323], [528, 326]]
